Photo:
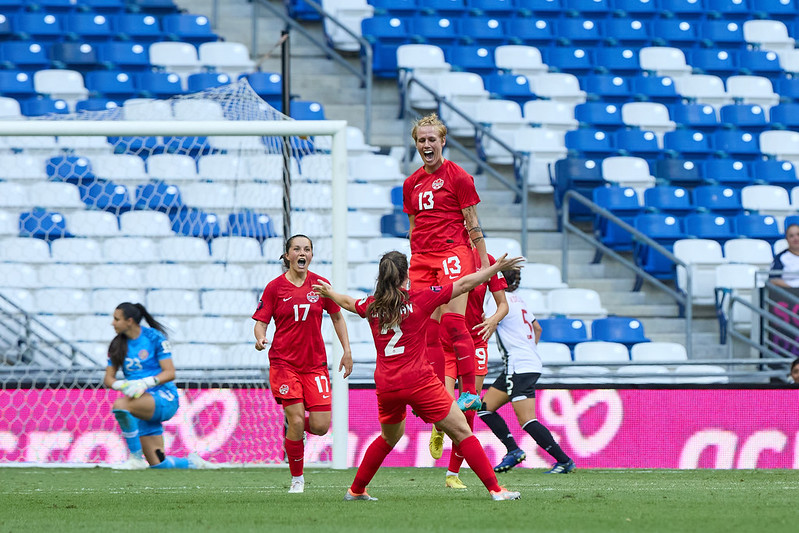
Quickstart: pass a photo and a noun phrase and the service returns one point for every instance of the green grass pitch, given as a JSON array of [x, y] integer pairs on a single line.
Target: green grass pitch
[[410, 499]]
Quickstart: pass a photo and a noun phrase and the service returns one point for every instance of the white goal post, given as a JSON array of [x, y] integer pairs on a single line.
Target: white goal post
[[334, 129]]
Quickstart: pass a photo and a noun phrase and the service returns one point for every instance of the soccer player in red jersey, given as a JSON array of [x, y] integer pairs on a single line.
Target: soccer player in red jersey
[[298, 373], [481, 329], [403, 375], [441, 202]]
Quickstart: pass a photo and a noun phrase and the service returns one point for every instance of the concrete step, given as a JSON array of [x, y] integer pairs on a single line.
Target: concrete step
[[644, 310], [668, 325]]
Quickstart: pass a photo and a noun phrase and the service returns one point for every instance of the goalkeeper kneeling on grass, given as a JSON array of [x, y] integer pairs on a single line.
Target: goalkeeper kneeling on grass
[[150, 396]]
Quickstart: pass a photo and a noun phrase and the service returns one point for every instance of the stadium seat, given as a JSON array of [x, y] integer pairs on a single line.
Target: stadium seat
[[700, 117], [43, 224], [712, 61], [541, 277], [768, 35], [349, 13], [188, 28], [651, 116], [622, 202], [520, 60], [727, 172], [466, 92], [578, 31], [579, 174], [173, 302], [737, 144], [94, 224], [87, 27], [106, 195], [560, 86], [589, 143], [53, 195], [63, 301], [739, 280], [702, 257], [535, 302], [577, 303], [228, 57], [130, 250], [600, 115], [571, 59], [104, 301], [438, 29], [201, 81], [664, 61], [668, 199], [550, 114], [767, 199], [719, 199], [663, 229], [774, 172], [537, 33], [170, 276], [721, 33], [600, 351], [553, 352], [236, 249], [60, 84], [137, 27], [251, 224], [127, 56], [752, 90], [625, 330], [626, 31], [780, 144], [77, 250], [749, 251], [41, 25], [24, 55], [194, 222], [158, 196], [115, 276], [16, 84], [145, 224], [760, 63], [709, 226], [704, 374], [619, 61], [658, 352], [227, 302], [628, 172], [509, 87], [756, 226], [687, 144], [703, 89], [568, 331], [178, 57]]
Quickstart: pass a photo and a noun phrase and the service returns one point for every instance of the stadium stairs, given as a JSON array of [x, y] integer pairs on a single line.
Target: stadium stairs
[[314, 77]]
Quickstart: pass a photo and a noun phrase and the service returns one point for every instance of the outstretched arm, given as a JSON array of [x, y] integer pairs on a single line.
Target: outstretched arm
[[467, 283], [344, 301]]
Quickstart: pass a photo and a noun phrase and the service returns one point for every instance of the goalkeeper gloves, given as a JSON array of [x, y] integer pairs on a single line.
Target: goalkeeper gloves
[[135, 388]]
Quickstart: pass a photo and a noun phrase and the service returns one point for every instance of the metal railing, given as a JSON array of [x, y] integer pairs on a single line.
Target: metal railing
[[521, 159], [364, 74], [683, 299]]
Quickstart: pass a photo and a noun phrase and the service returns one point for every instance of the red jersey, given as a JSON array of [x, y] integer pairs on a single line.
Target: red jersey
[[436, 201], [298, 322], [401, 360], [474, 307]]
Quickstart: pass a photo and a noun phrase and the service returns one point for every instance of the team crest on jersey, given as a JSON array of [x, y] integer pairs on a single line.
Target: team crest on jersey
[[143, 354], [284, 389], [312, 297], [438, 184]]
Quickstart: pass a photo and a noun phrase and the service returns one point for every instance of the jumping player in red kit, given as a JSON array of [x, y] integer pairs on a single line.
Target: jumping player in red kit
[[298, 373], [403, 375]]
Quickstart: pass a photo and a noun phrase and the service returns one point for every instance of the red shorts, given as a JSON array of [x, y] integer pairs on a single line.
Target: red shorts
[[480, 359], [311, 388], [429, 269], [429, 400]]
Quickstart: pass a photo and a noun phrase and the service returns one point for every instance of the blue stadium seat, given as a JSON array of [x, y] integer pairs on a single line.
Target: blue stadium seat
[[16, 84], [626, 330], [787, 88], [687, 144], [307, 110], [102, 6], [187, 145], [626, 32], [24, 55], [581, 175], [158, 196], [471, 58], [200, 81], [138, 27], [659, 89], [578, 32], [444, 8], [87, 27], [386, 29], [482, 31], [301, 10], [130, 56], [184, 27], [42, 224], [38, 26], [159, 7], [642, 9], [737, 10], [501, 8], [69, 168], [395, 225], [50, 6], [395, 8], [251, 224], [538, 32], [759, 63], [747, 117], [589, 143], [106, 196], [722, 33], [679, 172], [754, 226], [574, 8], [158, 84], [535, 7], [774, 172], [718, 199], [709, 226], [573, 60], [785, 115], [39, 106], [668, 199], [606, 88], [618, 60], [6, 30], [95, 104], [727, 172], [111, 84], [437, 30], [75, 56], [738, 144], [675, 32], [601, 115], [193, 222], [569, 331], [700, 117], [682, 9], [509, 87], [663, 229], [784, 10], [622, 202], [639, 143], [269, 86], [713, 61]]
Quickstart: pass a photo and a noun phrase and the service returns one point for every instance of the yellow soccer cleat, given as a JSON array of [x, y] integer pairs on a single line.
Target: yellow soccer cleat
[[454, 482], [436, 443]]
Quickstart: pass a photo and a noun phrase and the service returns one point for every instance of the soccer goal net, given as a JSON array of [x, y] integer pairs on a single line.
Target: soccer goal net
[[179, 204]]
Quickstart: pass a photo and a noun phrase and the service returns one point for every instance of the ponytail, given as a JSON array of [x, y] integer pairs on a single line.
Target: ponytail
[[390, 299], [118, 348], [513, 278]]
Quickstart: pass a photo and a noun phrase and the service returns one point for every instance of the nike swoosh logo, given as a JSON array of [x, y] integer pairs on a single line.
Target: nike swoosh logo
[[287, 299], [417, 185], [325, 397]]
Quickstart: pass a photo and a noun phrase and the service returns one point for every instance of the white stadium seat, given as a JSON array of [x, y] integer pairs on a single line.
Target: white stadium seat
[[117, 276], [170, 276], [236, 250], [173, 302], [76, 251], [226, 302], [184, 249], [658, 352], [228, 57], [520, 59], [702, 257], [24, 250], [130, 250], [93, 224], [104, 301], [145, 224], [576, 303], [600, 352]]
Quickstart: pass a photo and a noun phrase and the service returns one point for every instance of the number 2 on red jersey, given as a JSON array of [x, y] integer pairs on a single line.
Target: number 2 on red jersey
[[391, 347]]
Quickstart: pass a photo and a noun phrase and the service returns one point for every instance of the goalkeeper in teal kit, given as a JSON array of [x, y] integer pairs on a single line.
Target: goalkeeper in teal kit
[[150, 396]]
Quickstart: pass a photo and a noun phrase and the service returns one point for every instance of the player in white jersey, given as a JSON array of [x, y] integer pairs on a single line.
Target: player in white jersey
[[517, 335]]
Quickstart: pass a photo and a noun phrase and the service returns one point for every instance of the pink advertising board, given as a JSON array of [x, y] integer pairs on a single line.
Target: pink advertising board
[[603, 428]]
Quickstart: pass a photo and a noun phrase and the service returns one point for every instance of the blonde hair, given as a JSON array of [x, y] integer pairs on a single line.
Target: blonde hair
[[430, 120]]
